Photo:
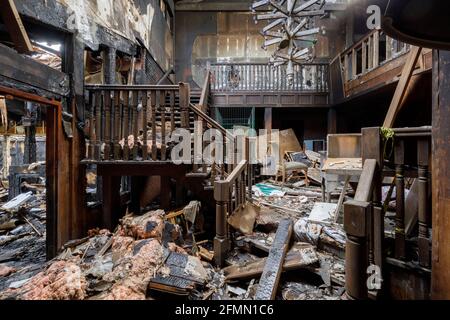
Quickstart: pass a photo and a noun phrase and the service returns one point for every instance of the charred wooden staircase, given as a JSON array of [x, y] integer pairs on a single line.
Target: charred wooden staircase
[[128, 135]]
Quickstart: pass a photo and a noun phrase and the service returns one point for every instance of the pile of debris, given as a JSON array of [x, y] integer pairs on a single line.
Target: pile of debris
[[22, 236], [142, 256]]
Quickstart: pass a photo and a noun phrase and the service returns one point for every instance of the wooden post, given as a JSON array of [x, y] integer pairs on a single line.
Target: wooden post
[[399, 155], [222, 197], [14, 25], [332, 121], [51, 182], [402, 86], [184, 104], [441, 176], [356, 215], [424, 242], [111, 201]]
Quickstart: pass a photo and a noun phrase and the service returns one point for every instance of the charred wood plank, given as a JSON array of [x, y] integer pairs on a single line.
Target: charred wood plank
[[270, 278], [32, 73], [300, 256], [14, 25]]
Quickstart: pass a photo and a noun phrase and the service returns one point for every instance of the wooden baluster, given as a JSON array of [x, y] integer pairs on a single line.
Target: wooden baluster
[[145, 103], [204, 127], [238, 193], [162, 108], [220, 77], [98, 125], [400, 251], [376, 49], [135, 123], [224, 156], [214, 77], [155, 102], [269, 82], [172, 111], [364, 57], [91, 126], [117, 117], [258, 77], [184, 104], [423, 242], [388, 48], [102, 125], [107, 127], [244, 196], [197, 139], [232, 201], [125, 125]]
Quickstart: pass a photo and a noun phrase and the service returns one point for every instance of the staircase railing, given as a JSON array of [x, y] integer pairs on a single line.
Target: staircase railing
[[400, 154], [231, 195], [206, 90], [132, 122]]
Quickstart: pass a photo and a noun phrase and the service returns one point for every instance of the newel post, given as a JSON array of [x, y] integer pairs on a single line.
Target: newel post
[[356, 223], [221, 243]]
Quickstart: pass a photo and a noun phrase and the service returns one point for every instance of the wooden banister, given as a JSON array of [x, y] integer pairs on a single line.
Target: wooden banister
[[203, 103], [364, 216], [230, 195]]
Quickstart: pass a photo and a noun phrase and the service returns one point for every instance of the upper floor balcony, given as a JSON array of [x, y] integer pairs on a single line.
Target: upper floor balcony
[[373, 62], [261, 85]]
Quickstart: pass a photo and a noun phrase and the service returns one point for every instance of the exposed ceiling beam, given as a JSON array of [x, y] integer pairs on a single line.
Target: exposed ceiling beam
[[244, 5], [14, 25]]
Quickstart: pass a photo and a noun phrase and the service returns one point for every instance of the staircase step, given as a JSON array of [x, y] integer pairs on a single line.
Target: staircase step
[[199, 175]]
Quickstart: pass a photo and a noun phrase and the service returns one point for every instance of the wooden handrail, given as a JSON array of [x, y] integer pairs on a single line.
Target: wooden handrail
[[232, 177], [134, 87], [359, 42], [211, 122], [203, 104], [365, 185], [230, 196]]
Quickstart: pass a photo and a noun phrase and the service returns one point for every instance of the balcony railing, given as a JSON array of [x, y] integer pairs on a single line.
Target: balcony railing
[[263, 77], [375, 49]]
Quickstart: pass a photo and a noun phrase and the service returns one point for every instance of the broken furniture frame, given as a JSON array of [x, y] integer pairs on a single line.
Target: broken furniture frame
[[364, 216]]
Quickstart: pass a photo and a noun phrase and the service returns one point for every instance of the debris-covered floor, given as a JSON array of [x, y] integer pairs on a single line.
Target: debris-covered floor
[[156, 255]]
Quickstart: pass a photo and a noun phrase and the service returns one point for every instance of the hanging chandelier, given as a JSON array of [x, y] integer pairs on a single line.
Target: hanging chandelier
[[290, 29]]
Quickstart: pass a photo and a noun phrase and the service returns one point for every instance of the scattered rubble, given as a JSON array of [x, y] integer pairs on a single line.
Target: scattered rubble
[[158, 253]]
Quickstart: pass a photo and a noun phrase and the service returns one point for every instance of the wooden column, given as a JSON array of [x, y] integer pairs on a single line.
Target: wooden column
[[332, 121], [111, 201], [441, 176], [268, 120], [72, 198], [51, 182]]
